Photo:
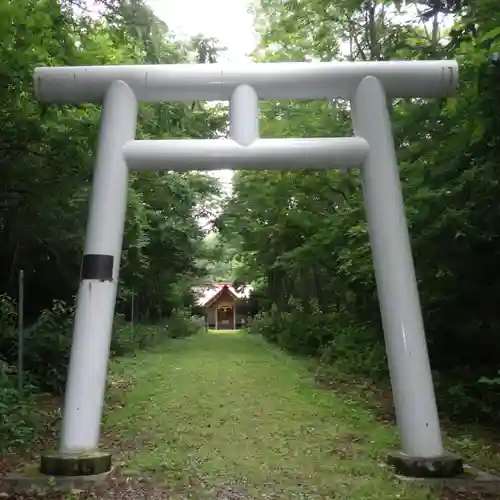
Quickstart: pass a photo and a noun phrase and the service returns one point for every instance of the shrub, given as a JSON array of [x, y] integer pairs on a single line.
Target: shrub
[[17, 424], [128, 338], [302, 328], [47, 347], [47, 344], [184, 324], [354, 347]]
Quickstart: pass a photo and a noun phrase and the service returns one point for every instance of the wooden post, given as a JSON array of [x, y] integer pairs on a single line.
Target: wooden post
[[20, 331], [216, 317], [234, 315]]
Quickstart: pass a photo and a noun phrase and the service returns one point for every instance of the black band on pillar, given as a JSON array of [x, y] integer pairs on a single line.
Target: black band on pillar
[[97, 267]]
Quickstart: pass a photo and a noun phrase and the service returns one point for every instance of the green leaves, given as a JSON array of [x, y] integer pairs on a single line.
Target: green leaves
[[491, 35], [303, 235], [47, 157]]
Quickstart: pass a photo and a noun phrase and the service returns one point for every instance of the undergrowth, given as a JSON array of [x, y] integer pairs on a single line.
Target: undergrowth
[[357, 348], [47, 343]]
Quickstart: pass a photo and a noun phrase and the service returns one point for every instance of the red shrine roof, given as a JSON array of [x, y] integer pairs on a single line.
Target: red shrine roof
[[208, 294]]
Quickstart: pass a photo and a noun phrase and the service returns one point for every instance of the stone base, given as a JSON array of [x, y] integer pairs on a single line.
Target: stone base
[[470, 480], [31, 481], [447, 465], [78, 464]]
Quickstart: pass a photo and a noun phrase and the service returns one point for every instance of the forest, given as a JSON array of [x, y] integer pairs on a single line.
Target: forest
[[300, 238]]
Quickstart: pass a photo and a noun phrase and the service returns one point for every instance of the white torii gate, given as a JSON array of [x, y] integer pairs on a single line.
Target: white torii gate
[[366, 85]]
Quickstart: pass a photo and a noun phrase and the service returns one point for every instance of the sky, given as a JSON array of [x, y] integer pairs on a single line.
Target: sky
[[227, 20]]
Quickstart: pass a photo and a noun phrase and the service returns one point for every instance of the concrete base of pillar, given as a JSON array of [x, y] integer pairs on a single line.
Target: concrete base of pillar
[[30, 481], [447, 465], [471, 479], [79, 464]]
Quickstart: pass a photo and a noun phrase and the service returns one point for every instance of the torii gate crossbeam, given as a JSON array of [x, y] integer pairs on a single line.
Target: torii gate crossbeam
[[367, 86]]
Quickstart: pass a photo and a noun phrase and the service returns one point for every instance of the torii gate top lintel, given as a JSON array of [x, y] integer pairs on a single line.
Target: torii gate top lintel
[[273, 81]]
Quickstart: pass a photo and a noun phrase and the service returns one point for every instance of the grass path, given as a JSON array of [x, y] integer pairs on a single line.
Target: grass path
[[226, 416]]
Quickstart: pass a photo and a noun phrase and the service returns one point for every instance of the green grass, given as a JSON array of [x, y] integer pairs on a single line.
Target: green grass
[[227, 412]]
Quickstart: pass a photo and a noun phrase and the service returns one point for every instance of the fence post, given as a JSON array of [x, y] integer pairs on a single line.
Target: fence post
[[132, 311], [20, 331]]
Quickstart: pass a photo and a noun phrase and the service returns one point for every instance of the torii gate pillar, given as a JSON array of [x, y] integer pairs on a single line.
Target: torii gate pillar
[[366, 85]]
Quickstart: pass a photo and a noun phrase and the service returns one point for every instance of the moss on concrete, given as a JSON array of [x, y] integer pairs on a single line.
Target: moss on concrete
[[447, 465], [80, 464]]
